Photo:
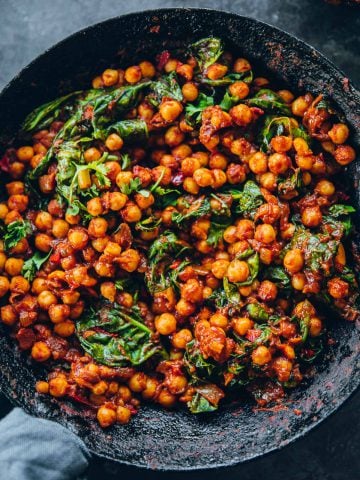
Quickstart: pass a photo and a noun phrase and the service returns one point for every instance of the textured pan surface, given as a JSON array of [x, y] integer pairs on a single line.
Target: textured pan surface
[[157, 438]]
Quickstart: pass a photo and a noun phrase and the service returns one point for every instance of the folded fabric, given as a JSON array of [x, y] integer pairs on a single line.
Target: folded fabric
[[34, 449]]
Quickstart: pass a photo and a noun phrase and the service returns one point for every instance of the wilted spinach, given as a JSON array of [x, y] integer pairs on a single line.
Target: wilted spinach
[[166, 87], [248, 200], [193, 111], [269, 101], [207, 51], [15, 232], [33, 265]]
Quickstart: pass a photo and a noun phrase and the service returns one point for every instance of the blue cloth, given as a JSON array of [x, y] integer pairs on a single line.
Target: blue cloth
[[37, 449]]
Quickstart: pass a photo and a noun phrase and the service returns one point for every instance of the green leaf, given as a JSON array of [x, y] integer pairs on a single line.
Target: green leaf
[[198, 208], [232, 292], [257, 312], [278, 275], [249, 199], [274, 126], [199, 404], [269, 101], [33, 265], [228, 102], [338, 210], [120, 336], [291, 184], [165, 197], [44, 115], [166, 87], [216, 231], [193, 111], [207, 51], [254, 265], [15, 232], [131, 131], [125, 161], [131, 187], [148, 224], [246, 77], [197, 366]]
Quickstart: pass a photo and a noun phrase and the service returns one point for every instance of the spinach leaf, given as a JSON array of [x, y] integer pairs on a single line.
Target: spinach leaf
[[207, 51], [269, 101], [274, 126], [291, 185], [232, 292], [197, 366], [131, 131], [15, 232], [117, 337], [165, 197], [249, 199], [166, 87], [193, 111], [198, 208], [254, 265], [216, 231], [199, 404], [44, 115], [33, 265], [246, 77], [148, 224], [257, 312], [278, 275]]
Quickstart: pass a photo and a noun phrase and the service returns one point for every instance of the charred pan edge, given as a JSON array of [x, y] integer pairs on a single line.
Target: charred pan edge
[[235, 434]]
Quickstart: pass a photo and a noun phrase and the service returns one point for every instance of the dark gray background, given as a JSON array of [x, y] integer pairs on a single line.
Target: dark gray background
[[27, 27]]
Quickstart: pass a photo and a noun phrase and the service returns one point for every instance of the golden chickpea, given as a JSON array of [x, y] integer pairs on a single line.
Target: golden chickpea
[[42, 387], [261, 355], [40, 352], [137, 383], [189, 165], [286, 95], [216, 71], [58, 387], [97, 227], [12, 217], [192, 291], [114, 142], [268, 180], [181, 151], [311, 216], [58, 312], [238, 271], [151, 388], [144, 202], [92, 154], [17, 169], [185, 70], [294, 260], [8, 315], [170, 110], [340, 257], [108, 291], [241, 65], [22, 246], [203, 177], [166, 399], [129, 260], [165, 324], [124, 392], [219, 320], [344, 154], [15, 188], [239, 89], [78, 238], [181, 338], [18, 202], [219, 268], [267, 291], [184, 308], [46, 299], [174, 136], [326, 188], [43, 221], [281, 143], [245, 229], [3, 259], [18, 284], [300, 105], [97, 82], [3, 211], [13, 266], [191, 186], [123, 415], [117, 201], [315, 327], [241, 325], [339, 133], [218, 161], [171, 65], [60, 228], [25, 154], [230, 235], [258, 163], [110, 77], [147, 69], [305, 162], [190, 91], [70, 297], [301, 146], [65, 329], [279, 163], [106, 416], [94, 206], [265, 233], [133, 74], [39, 285], [298, 281], [235, 173], [338, 288], [112, 249], [241, 114]]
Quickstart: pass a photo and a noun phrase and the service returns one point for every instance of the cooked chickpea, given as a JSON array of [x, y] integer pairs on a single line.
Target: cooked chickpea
[[219, 268], [294, 260], [65, 329], [339, 133], [241, 65], [265, 233], [203, 177], [147, 69], [241, 325], [110, 77], [40, 352], [58, 312], [281, 143], [129, 260], [42, 387], [219, 320], [338, 288], [344, 154], [8, 315], [46, 299], [258, 163], [165, 324], [300, 105], [241, 114], [92, 154], [114, 142], [97, 227], [189, 165], [25, 154], [238, 271], [239, 89], [123, 415], [261, 355], [133, 74], [174, 136], [13, 266], [190, 91], [268, 180], [137, 383], [18, 284], [106, 416], [184, 308], [315, 327], [245, 229], [216, 71], [181, 338], [311, 216], [143, 201], [58, 387], [170, 110], [166, 399], [78, 238], [298, 281], [279, 163], [267, 291], [326, 188]]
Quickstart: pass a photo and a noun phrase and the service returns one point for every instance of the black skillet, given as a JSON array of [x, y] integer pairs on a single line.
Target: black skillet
[[176, 440]]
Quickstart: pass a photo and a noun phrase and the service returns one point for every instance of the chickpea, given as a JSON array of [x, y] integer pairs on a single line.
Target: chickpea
[[300, 105], [241, 114], [8, 315], [114, 142], [190, 91], [241, 65], [245, 229], [123, 415], [181, 338], [147, 69], [13, 266], [181, 151], [298, 281], [268, 180], [78, 238], [171, 65], [94, 207], [25, 154], [189, 165], [65, 329], [311, 216], [340, 257], [110, 77], [39, 285], [216, 71], [106, 416], [281, 143], [286, 95], [219, 320], [21, 247], [315, 327], [129, 260], [301, 146], [151, 388], [18, 284], [339, 133], [326, 188], [43, 221], [305, 162], [137, 383], [40, 352], [267, 291], [219, 268], [192, 291], [184, 308], [265, 233], [166, 399], [42, 387], [238, 271], [230, 234], [58, 387], [112, 249], [18, 202], [43, 242], [58, 312], [344, 154], [92, 154], [165, 324], [261, 355], [294, 260], [70, 297], [144, 202], [15, 188], [218, 161], [258, 163], [239, 89], [117, 201], [97, 82], [133, 74], [338, 288], [97, 227], [3, 211], [241, 325], [203, 177], [235, 173], [279, 163], [174, 136], [170, 110], [46, 299]]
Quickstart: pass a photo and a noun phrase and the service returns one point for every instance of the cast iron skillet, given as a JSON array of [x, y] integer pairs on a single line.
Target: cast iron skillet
[[177, 440]]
